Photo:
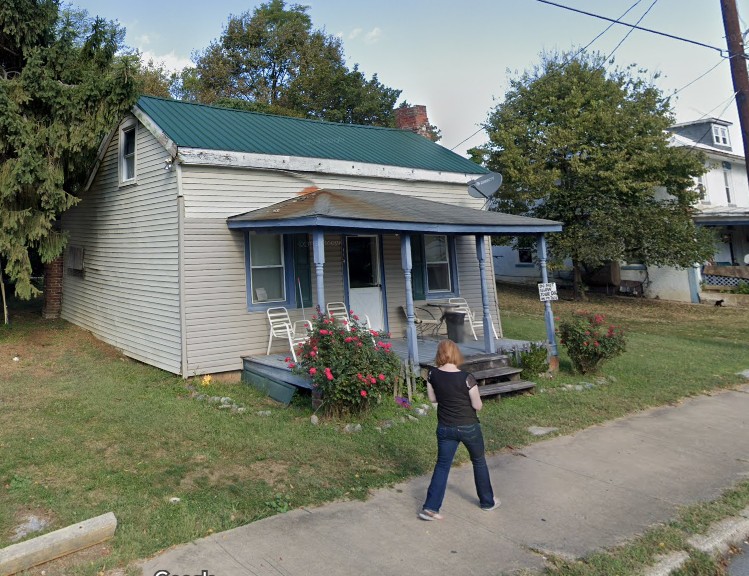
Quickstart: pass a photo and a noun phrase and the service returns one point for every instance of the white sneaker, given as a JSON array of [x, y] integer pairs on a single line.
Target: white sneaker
[[497, 504]]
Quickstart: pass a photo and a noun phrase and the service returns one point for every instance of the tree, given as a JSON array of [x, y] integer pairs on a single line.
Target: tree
[[62, 89], [588, 147], [272, 60]]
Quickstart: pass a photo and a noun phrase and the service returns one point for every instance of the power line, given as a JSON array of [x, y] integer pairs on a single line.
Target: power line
[[698, 77], [721, 50], [584, 48], [471, 136], [611, 55]]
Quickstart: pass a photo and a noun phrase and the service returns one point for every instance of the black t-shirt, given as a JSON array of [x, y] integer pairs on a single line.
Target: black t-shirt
[[453, 402]]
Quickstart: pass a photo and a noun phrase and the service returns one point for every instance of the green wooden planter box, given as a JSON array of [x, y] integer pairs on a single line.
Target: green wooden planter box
[[279, 391]]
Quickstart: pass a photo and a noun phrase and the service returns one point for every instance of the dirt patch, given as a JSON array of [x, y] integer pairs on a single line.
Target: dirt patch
[[27, 522], [200, 478], [64, 565]]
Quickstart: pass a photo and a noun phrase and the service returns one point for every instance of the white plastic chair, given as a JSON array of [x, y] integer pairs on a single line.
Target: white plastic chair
[[339, 311], [461, 305], [281, 326]]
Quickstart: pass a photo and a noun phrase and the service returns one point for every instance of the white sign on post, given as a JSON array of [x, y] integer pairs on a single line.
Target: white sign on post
[[548, 291]]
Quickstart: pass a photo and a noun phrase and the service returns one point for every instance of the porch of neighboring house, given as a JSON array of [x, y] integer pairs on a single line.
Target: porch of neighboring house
[[495, 373]]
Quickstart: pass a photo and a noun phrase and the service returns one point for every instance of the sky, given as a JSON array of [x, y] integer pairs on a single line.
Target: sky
[[457, 57]]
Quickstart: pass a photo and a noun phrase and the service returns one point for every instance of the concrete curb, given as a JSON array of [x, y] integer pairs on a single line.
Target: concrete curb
[[717, 542]]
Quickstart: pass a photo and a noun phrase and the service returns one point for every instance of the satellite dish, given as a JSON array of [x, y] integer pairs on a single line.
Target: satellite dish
[[486, 186]]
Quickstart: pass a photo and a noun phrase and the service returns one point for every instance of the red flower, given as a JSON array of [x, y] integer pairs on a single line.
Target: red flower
[[287, 359], [328, 375], [324, 332], [382, 377], [354, 316], [596, 344], [372, 380], [348, 339], [313, 370], [363, 393], [291, 365]]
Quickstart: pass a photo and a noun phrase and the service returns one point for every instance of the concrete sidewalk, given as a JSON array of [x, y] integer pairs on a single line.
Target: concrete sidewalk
[[569, 496]]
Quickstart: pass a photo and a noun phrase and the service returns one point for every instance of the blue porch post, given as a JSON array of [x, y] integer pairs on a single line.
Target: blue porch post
[[318, 256], [548, 315], [490, 346], [413, 348]]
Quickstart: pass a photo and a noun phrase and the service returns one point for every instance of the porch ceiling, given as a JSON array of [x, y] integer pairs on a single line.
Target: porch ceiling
[[362, 210]]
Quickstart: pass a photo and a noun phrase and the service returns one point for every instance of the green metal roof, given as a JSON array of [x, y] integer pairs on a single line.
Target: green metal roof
[[210, 127]]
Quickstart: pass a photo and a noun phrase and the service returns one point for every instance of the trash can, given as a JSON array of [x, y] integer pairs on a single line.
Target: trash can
[[455, 322]]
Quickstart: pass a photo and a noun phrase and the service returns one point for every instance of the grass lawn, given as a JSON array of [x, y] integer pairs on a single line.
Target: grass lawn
[[86, 430]]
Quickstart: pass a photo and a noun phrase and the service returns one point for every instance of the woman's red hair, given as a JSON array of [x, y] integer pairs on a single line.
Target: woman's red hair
[[448, 353]]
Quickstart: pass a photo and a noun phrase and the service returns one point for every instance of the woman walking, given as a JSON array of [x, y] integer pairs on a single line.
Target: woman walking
[[457, 396]]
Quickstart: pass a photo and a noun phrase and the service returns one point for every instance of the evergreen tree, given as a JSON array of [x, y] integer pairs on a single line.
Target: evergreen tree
[[63, 87]]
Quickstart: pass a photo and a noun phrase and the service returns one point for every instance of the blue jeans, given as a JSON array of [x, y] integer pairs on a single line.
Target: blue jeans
[[448, 439]]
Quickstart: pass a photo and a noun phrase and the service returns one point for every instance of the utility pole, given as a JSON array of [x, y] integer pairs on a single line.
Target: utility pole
[[739, 74]]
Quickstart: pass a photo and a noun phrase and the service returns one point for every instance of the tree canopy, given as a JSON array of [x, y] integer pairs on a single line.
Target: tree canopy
[[588, 146], [272, 60], [63, 87]]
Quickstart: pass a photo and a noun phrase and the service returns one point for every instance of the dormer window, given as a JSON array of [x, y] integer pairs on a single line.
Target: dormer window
[[720, 135], [127, 153]]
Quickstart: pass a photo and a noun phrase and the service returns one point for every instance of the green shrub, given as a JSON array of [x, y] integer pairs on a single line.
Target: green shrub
[[742, 288], [351, 366], [533, 361], [589, 342]]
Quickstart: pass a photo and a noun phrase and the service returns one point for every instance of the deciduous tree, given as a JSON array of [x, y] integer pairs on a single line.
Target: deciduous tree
[[273, 60], [586, 145]]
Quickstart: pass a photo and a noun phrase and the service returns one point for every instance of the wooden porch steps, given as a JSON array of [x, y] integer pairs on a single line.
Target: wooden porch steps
[[494, 374]]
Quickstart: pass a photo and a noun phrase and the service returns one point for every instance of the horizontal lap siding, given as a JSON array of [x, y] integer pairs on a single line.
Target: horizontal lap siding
[[220, 329], [129, 294]]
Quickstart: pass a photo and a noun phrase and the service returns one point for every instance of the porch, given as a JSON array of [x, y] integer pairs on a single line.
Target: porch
[[271, 373]]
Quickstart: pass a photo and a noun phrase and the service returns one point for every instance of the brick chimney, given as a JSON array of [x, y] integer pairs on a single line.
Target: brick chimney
[[53, 288], [414, 118]]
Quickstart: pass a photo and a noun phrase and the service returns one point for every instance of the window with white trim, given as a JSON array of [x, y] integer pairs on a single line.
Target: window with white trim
[[437, 259], [267, 269], [727, 180], [720, 135], [127, 153]]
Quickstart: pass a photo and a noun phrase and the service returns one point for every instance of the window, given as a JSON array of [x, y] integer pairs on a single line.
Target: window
[[278, 270], [702, 189], [720, 135], [267, 270], [127, 153], [525, 255], [434, 272], [727, 180]]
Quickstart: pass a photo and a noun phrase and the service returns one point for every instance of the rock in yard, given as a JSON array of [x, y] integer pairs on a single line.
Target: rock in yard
[[413, 418], [314, 420], [420, 412], [350, 428], [264, 413], [745, 373], [32, 524], [540, 431]]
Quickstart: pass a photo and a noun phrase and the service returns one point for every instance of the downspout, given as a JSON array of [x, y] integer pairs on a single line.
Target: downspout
[[181, 269]]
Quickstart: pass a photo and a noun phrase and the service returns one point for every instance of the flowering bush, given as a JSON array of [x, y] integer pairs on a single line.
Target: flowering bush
[[590, 341], [351, 368]]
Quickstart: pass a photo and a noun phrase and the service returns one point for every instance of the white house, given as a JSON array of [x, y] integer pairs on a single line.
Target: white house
[[197, 219]]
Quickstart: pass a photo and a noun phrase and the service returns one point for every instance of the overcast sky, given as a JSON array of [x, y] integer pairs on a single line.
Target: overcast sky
[[455, 57]]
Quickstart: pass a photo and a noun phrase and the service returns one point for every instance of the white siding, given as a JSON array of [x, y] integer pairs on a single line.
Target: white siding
[[128, 295], [220, 329]]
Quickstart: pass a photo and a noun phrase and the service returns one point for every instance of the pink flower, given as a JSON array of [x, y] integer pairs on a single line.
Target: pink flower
[[291, 364], [324, 332], [382, 377], [348, 339], [596, 344], [313, 354], [328, 375], [363, 393], [354, 316], [372, 380], [287, 359], [313, 370]]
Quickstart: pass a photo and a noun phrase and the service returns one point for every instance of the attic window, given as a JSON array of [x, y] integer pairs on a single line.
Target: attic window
[[720, 135], [127, 153]]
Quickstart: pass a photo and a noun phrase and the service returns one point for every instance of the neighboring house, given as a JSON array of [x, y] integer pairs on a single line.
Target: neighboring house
[[723, 205], [198, 219]]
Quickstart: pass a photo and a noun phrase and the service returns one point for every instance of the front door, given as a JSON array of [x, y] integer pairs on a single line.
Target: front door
[[365, 286]]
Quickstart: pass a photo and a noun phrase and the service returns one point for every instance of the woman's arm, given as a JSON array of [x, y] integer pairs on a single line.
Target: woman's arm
[[475, 396], [430, 393]]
